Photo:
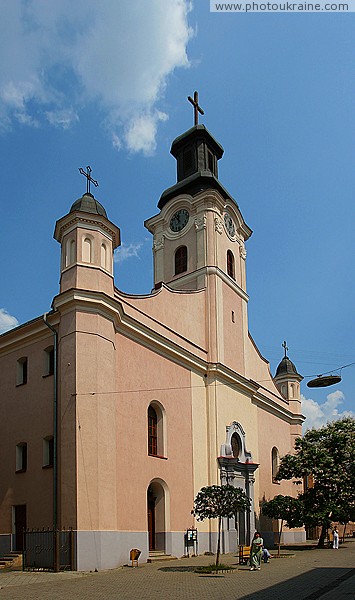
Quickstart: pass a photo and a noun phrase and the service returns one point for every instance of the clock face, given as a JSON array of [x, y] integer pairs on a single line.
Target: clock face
[[229, 224], [179, 220]]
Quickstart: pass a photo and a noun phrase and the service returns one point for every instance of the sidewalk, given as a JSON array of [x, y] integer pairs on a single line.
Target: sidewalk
[[308, 575]]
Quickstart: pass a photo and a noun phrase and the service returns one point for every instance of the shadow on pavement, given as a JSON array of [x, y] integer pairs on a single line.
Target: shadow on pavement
[[308, 586]]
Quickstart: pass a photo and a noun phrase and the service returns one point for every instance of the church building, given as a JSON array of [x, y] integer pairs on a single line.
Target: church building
[[116, 409]]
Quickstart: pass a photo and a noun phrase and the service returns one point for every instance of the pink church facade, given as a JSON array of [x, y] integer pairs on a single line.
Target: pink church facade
[[116, 409]]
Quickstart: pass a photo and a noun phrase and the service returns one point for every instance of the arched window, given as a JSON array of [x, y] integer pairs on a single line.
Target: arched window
[[274, 463], [104, 257], [152, 431], [156, 423], [69, 253], [230, 264], [87, 250], [236, 446], [180, 260]]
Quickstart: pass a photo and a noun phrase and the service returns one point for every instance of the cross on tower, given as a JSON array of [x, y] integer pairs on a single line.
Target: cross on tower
[[284, 345], [89, 179], [197, 108]]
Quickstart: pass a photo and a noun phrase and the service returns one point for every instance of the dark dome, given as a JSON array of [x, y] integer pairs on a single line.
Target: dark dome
[[88, 204], [286, 366]]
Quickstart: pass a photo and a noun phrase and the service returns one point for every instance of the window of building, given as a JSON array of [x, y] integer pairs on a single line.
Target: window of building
[[21, 457], [87, 250], [152, 431], [22, 371], [48, 366], [104, 257], [188, 161], [48, 451], [275, 461], [69, 253], [230, 264], [181, 260], [156, 436], [236, 445], [210, 159]]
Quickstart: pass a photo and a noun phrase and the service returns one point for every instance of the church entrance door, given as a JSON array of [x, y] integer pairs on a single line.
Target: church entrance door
[[156, 517], [151, 522]]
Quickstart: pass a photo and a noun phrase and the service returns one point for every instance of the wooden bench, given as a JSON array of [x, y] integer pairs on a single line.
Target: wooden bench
[[244, 554]]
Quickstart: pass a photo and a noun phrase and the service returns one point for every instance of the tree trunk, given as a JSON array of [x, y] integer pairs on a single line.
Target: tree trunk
[[218, 541], [345, 524], [279, 544], [322, 536]]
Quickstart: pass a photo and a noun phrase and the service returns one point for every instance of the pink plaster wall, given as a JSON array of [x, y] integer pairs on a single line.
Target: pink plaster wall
[[161, 380], [26, 415]]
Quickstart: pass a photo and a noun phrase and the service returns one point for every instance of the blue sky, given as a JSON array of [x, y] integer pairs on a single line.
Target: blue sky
[[105, 83]]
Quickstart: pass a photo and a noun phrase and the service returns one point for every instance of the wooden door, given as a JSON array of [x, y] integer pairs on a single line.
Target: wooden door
[[20, 525], [151, 524]]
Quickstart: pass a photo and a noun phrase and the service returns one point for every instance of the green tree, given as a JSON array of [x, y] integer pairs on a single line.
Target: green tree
[[218, 501], [327, 456], [286, 509]]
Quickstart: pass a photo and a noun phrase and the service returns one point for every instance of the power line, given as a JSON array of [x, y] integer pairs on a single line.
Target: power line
[[190, 387]]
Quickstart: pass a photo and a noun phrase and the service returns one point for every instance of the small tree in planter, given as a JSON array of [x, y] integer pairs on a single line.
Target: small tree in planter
[[218, 501], [286, 508]]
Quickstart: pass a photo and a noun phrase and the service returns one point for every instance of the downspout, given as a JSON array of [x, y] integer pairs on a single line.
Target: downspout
[[55, 423]]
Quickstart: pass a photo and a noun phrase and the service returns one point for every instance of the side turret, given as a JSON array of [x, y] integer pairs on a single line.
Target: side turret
[[88, 240]]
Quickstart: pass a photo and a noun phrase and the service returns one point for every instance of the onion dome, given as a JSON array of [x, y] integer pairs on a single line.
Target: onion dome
[[88, 204]]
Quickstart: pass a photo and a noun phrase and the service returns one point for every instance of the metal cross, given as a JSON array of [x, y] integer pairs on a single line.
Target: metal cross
[[197, 108], [285, 347], [89, 179]]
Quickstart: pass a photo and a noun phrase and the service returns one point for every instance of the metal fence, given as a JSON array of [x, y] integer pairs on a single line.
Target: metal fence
[[47, 549]]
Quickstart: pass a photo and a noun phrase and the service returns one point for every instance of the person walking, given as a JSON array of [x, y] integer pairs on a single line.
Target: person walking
[[256, 552], [335, 538]]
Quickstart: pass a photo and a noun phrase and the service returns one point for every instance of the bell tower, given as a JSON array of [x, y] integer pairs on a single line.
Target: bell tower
[[199, 229], [199, 240]]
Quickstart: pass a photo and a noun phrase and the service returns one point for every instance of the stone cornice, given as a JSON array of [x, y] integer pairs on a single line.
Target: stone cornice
[[247, 386], [75, 219], [130, 327], [26, 334], [210, 270], [273, 407]]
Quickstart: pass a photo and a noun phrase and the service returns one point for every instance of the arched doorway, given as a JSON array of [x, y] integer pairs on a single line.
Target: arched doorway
[[156, 515], [237, 468]]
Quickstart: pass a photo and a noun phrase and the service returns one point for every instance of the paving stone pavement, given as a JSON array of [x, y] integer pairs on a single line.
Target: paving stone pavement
[[310, 574]]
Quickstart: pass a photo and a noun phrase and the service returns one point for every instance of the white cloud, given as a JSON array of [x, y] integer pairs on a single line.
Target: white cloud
[[7, 321], [127, 251], [59, 57], [62, 118], [318, 414], [141, 132]]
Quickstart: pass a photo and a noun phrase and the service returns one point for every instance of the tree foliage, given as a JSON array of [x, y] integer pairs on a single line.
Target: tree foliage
[[287, 509], [218, 501], [327, 457]]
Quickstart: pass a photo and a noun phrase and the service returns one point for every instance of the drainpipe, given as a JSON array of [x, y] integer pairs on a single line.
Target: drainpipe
[[55, 439]]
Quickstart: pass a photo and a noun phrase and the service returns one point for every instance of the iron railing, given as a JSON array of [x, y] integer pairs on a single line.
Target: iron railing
[[48, 549]]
